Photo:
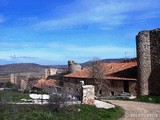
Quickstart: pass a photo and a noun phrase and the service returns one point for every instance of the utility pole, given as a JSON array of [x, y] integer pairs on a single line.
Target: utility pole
[[125, 55]]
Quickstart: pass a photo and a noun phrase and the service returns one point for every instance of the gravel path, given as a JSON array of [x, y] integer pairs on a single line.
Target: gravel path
[[138, 110]]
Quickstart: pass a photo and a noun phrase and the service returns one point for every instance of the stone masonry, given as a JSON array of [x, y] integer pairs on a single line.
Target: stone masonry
[[73, 67], [148, 59], [144, 61], [88, 94], [50, 71]]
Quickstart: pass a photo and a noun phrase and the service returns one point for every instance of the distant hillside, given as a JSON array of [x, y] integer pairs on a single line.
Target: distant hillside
[[103, 60], [21, 67], [60, 66], [111, 60], [31, 67]]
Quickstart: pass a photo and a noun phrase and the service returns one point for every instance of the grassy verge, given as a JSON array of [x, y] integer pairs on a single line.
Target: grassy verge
[[12, 96], [149, 99], [43, 112], [146, 98]]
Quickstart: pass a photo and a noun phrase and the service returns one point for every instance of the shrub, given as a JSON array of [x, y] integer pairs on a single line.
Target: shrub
[[56, 101], [8, 84]]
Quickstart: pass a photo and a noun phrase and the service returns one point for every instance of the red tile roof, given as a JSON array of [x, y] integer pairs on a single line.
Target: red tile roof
[[119, 78], [109, 68], [43, 82]]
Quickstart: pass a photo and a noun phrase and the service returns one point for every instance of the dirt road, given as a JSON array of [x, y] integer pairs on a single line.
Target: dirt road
[[138, 110]]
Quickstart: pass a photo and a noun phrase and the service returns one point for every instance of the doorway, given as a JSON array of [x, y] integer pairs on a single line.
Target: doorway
[[126, 86]]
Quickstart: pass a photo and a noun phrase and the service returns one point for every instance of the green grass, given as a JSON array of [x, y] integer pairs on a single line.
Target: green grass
[[146, 98], [43, 112], [12, 96], [149, 99]]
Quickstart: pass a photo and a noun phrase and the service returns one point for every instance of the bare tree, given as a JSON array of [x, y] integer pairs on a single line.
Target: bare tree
[[97, 72]]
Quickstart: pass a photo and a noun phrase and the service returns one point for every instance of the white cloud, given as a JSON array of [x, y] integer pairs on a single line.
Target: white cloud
[[70, 51], [20, 44], [63, 52], [102, 12]]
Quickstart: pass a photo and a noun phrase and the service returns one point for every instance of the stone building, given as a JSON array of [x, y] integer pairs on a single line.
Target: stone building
[[50, 72], [73, 67], [148, 60], [23, 81], [16, 79], [48, 86], [24, 85], [119, 77]]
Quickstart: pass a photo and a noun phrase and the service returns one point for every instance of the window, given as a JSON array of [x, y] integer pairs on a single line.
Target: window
[[100, 92], [112, 93], [68, 83], [112, 83], [58, 89]]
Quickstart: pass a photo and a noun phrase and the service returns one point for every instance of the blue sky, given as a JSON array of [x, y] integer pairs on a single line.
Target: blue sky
[[54, 31]]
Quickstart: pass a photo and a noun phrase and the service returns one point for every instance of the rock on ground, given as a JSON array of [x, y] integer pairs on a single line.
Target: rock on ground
[[101, 104]]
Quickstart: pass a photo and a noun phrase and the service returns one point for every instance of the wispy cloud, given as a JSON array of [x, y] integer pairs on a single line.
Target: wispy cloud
[[62, 52], [21, 57], [88, 52], [101, 51], [105, 13], [149, 15], [19, 44]]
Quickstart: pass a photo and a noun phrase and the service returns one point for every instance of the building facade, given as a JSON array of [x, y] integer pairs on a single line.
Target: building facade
[[120, 77], [50, 72]]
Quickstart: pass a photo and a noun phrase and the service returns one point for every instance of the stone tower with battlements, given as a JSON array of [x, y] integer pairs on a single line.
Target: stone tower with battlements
[[73, 67], [148, 59]]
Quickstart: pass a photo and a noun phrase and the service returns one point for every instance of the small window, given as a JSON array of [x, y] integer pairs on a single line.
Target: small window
[[58, 89], [76, 81], [68, 83], [112, 83], [100, 92], [112, 93]]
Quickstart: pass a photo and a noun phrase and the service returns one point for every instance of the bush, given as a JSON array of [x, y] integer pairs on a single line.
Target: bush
[[13, 96], [56, 101], [8, 84]]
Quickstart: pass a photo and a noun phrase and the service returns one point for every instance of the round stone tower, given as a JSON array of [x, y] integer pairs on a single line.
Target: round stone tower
[[143, 61], [73, 67]]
